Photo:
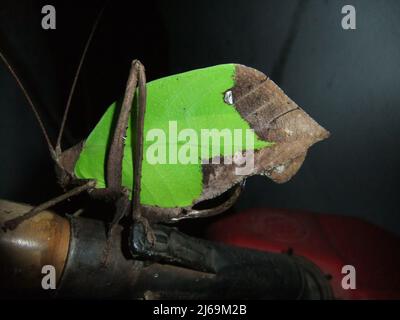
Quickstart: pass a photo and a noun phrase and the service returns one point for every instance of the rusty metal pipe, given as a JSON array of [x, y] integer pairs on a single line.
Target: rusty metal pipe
[[189, 268], [76, 248], [42, 240], [236, 272]]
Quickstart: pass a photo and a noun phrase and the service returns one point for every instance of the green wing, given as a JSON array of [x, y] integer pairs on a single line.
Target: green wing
[[193, 99]]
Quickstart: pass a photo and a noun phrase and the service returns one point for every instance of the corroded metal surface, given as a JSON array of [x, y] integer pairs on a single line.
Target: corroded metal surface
[[42, 240], [125, 265]]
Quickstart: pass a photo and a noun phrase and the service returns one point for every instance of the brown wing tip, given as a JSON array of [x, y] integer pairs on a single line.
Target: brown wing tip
[[275, 117]]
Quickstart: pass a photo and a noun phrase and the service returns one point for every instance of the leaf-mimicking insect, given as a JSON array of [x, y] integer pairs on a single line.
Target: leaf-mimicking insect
[[112, 163]]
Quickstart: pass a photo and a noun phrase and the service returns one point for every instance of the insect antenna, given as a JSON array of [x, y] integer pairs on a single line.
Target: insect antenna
[[31, 104], [76, 77]]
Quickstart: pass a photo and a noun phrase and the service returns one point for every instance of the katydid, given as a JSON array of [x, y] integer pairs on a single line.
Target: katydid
[[113, 163]]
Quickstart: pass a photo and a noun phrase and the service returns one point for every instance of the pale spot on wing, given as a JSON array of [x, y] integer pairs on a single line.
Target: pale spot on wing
[[228, 98]]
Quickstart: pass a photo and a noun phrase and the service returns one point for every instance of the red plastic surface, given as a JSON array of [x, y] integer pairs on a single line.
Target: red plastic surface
[[330, 241]]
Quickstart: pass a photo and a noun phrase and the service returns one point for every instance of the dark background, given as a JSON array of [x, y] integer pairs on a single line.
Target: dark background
[[347, 80]]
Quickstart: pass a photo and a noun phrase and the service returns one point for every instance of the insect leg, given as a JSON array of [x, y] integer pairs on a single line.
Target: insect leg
[[116, 152], [122, 206], [136, 212], [137, 78], [136, 206], [13, 223]]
